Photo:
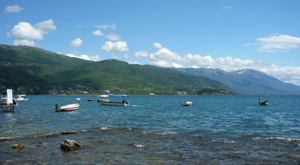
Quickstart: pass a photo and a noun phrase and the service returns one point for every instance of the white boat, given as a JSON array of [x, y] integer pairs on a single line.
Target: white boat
[[21, 98], [187, 103], [102, 95], [102, 98], [114, 100], [66, 108]]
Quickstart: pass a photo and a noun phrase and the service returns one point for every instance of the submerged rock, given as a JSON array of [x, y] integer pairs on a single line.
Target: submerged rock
[[18, 146], [68, 145]]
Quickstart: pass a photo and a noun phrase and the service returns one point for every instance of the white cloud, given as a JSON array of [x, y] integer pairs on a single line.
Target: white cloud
[[113, 37], [165, 54], [286, 74], [157, 45], [95, 58], [166, 58], [162, 63], [113, 26], [76, 43], [276, 43], [98, 33], [24, 42], [24, 30], [141, 54], [227, 63], [134, 62], [85, 57], [24, 33], [175, 65], [45, 26], [115, 47], [13, 9]]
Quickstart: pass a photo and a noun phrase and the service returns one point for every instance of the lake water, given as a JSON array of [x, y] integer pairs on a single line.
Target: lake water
[[214, 130]]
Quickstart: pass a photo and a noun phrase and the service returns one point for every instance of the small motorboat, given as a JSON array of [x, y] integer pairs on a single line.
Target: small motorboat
[[91, 99], [114, 100], [21, 98], [66, 108], [187, 103], [263, 100]]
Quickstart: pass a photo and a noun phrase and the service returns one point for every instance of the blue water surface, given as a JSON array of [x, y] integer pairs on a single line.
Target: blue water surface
[[209, 115]]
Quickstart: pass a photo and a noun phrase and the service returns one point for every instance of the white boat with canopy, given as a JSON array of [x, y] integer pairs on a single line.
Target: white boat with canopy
[[114, 100]]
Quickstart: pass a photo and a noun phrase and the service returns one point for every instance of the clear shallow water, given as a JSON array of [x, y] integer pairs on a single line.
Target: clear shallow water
[[215, 129]]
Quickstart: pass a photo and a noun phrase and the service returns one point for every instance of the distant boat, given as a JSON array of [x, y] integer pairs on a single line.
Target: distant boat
[[91, 99], [263, 100], [187, 103], [21, 98], [102, 98], [114, 100], [66, 108], [102, 95]]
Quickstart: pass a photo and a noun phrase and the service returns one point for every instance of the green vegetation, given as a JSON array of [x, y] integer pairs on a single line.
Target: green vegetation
[[121, 77], [36, 71]]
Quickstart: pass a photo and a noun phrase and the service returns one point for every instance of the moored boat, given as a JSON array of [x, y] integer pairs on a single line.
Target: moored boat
[[21, 98], [187, 103], [114, 100], [66, 108], [263, 100]]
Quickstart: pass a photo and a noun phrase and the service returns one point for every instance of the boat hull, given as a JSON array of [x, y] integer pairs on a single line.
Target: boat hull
[[66, 108], [113, 103], [21, 98], [188, 103], [263, 103]]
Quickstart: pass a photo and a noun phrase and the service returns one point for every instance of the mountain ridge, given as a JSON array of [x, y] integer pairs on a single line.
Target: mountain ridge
[[247, 81], [54, 73]]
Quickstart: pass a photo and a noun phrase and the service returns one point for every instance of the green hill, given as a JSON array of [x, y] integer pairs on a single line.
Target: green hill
[[36, 71], [121, 77], [24, 68], [35, 60]]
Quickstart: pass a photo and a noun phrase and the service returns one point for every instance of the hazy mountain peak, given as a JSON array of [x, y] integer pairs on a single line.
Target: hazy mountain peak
[[247, 81]]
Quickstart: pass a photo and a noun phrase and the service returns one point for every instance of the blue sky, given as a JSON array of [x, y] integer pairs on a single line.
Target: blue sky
[[229, 35]]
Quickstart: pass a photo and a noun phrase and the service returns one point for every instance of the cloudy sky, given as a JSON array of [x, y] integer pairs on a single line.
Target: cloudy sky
[[229, 35]]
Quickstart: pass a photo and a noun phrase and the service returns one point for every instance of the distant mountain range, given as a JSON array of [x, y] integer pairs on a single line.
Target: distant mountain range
[[35, 71], [246, 81]]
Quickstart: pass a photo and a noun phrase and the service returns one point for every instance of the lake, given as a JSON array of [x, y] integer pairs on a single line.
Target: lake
[[214, 130]]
